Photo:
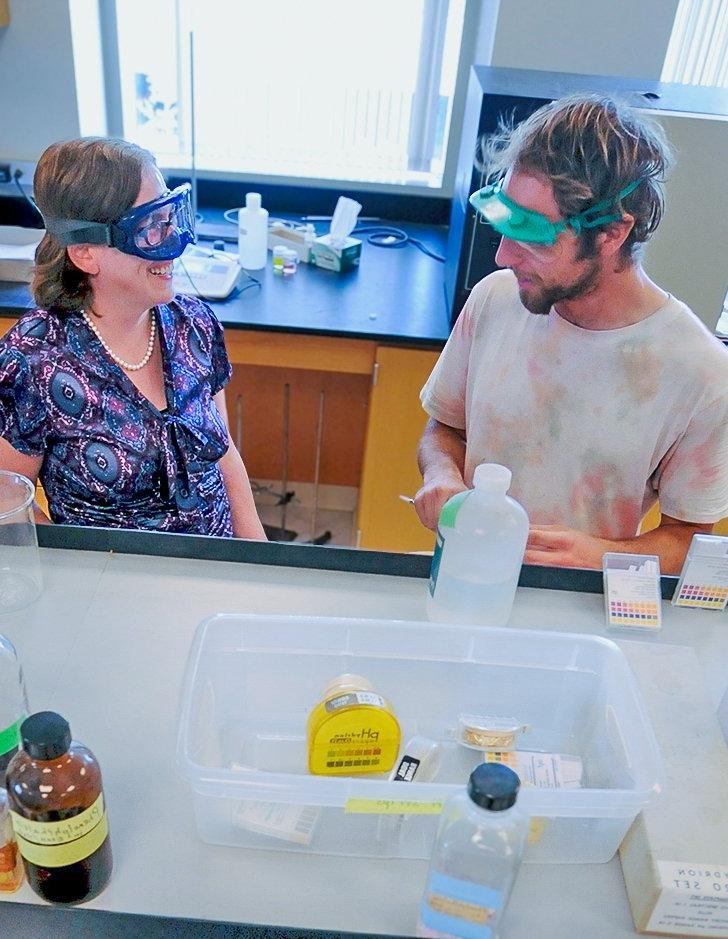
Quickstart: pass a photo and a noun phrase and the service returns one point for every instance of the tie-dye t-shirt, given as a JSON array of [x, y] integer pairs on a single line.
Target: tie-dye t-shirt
[[595, 425], [111, 458]]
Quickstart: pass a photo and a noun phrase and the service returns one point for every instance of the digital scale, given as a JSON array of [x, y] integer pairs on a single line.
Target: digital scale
[[206, 272]]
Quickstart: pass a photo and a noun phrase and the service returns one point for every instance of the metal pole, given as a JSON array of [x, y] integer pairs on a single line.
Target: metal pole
[[193, 142], [286, 443], [317, 470]]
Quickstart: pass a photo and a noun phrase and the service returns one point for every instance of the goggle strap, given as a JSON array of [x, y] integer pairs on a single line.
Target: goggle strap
[[76, 231], [583, 220]]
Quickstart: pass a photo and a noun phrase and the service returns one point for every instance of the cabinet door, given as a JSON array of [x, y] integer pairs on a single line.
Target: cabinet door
[[394, 426]]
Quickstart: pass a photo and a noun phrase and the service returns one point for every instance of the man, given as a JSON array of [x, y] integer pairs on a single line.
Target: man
[[599, 390]]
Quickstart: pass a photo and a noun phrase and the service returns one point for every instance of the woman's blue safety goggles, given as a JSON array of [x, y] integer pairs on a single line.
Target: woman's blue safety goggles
[[516, 222], [159, 230]]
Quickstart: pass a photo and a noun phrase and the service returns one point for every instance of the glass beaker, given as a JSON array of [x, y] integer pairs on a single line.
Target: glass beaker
[[21, 580]]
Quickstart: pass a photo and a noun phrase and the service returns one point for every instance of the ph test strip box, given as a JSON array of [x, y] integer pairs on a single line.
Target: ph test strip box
[[704, 579], [632, 591]]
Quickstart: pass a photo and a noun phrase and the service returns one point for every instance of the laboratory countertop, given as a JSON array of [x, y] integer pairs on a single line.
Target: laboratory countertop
[[106, 645], [396, 295]]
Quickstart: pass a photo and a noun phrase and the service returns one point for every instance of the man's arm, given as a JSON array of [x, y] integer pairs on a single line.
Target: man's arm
[[564, 547], [441, 457]]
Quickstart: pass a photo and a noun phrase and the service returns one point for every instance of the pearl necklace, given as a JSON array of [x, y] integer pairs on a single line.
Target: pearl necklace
[[127, 366]]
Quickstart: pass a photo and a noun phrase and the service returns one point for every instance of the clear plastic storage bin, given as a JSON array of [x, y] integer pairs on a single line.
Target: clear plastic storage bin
[[252, 680]]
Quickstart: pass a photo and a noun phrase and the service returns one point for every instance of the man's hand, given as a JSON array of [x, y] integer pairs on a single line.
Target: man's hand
[[555, 546], [430, 499], [441, 457]]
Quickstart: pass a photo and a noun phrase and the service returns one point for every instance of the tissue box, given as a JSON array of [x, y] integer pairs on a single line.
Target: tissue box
[[675, 855], [336, 259]]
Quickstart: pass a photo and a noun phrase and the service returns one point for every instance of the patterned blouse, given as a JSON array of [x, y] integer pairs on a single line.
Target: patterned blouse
[[111, 458]]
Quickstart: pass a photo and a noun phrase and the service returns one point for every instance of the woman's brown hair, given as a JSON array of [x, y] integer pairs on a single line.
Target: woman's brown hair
[[92, 178]]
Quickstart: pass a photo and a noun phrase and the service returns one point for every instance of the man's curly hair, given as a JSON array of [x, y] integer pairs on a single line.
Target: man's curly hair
[[589, 147]]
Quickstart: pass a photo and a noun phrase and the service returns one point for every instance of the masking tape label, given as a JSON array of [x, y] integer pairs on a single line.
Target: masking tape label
[[392, 807], [55, 844]]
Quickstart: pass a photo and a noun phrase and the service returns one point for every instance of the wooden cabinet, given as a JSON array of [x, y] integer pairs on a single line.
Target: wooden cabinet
[[395, 424], [376, 448]]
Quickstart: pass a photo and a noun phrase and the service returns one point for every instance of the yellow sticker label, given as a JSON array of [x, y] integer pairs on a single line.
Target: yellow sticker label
[[460, 909], [55, 844], [536, 829], [392, 807]]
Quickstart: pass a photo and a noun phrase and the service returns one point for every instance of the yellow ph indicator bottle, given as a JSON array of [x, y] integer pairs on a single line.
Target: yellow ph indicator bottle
[[352, 731]]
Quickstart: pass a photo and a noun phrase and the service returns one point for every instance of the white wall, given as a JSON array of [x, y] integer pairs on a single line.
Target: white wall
[[37, 81], [594, 37]]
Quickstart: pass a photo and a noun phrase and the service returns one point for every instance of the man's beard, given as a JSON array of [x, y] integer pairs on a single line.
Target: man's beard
[[541, 302]]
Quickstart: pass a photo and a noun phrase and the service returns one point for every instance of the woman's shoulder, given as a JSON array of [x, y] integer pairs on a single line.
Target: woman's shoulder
[[191, 317], [36, 334], [187, 309]]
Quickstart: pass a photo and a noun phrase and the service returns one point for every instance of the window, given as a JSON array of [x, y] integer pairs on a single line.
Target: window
[[698, 49], [317, 90]]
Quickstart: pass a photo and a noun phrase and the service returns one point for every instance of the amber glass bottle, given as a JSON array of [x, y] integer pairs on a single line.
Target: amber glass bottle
[[59, 816]]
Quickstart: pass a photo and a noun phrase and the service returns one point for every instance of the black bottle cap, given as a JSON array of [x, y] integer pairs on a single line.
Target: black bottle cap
[[45, 735], [493, 786]]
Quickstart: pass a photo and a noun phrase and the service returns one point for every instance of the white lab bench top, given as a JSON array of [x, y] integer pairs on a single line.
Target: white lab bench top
[[106, 646]]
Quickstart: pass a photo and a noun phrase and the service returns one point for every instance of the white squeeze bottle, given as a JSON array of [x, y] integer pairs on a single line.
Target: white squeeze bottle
[[481, 539], [477, 854], [252, 233]]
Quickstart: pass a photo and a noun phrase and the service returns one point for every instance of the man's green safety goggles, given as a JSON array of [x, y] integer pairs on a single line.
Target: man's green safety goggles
[[521, 224]]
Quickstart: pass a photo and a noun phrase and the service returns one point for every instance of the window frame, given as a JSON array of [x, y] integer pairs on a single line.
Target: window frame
[[113, 98]]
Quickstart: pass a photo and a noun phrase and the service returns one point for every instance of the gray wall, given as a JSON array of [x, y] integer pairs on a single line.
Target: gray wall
[[37, 79], [688, 254], [595, 37]]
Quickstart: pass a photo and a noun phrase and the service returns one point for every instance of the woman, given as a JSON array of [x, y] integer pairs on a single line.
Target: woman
[[111, 391]]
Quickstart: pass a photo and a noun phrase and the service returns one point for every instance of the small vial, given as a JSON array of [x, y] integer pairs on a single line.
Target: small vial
[[11, 863], [290, 262], [279, 254]]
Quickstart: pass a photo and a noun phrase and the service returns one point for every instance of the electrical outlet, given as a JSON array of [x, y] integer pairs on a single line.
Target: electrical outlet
[[5, 176]]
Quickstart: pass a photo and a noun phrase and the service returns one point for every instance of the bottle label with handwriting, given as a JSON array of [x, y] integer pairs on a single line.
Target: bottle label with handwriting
[[57, 844]]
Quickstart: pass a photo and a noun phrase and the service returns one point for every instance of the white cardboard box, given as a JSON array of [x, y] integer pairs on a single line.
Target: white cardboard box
[[675, 855]]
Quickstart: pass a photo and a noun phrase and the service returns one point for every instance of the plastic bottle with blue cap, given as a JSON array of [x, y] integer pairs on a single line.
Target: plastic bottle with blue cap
[[481, 540]]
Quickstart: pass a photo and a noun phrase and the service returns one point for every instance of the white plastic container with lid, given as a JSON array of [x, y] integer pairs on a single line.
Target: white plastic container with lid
[[477, 855], [481, 539], [251, 680], [253, 233]]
